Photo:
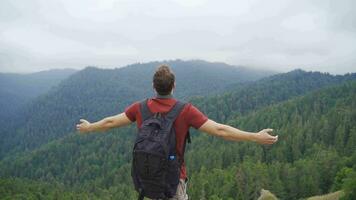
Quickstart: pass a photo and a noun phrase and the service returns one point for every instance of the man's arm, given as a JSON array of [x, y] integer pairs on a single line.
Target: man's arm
[[104, 124], [230, 133]]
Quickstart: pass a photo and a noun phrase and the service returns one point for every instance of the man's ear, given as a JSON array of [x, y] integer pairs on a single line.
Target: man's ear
[[154, 89], [173, 88]]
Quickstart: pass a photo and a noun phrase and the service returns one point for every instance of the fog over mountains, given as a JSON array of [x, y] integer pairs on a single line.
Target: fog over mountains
[[16, 90]]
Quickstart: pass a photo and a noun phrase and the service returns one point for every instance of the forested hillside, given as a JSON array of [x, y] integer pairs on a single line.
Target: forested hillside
[[18, 89], [317, 140], [267, 91], [94, 93], [313, 114]]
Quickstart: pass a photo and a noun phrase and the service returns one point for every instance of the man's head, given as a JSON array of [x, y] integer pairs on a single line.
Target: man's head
[[163, 80]]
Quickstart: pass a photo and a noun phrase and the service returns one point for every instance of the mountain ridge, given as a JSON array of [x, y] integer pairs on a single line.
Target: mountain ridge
[[52, 115]]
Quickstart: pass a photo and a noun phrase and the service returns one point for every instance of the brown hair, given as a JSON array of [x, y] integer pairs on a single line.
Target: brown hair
[[163, 80]]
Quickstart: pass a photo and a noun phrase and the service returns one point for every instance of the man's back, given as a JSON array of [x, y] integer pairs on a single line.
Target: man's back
[[189, 117]]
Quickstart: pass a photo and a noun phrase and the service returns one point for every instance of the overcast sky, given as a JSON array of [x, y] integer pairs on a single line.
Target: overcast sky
[[318, 35]]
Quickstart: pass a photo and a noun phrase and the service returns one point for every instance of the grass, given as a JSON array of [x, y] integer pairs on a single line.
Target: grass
[[267, 195], [330, 196]]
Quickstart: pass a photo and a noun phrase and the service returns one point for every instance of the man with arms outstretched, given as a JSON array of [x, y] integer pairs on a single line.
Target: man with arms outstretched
[[190, 116]]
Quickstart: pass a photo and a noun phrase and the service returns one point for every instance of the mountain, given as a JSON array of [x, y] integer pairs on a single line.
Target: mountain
[[16, 90], [316, 127], [267, 91], [93, 93]]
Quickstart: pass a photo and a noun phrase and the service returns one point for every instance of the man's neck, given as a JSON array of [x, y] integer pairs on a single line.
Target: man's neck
[[168, 96]]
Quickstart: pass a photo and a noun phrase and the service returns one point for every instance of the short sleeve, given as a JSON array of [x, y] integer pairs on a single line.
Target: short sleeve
[[195, 117], [131, 111]]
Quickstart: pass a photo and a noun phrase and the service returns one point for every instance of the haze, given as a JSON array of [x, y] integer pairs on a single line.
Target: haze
[[281, 35]]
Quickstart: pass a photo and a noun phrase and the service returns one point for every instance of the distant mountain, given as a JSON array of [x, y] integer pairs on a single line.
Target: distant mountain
[[93, 93], [18, 89]]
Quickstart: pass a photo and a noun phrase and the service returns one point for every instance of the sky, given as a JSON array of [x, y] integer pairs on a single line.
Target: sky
[[281, 35]]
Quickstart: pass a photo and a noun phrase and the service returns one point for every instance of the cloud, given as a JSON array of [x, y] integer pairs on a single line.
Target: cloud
[[280, 34]]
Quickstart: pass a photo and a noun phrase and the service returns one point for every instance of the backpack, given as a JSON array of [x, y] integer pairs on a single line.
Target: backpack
[[155, 165]]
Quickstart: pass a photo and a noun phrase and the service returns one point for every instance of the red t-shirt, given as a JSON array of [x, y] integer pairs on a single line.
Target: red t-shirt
[[189, 117]]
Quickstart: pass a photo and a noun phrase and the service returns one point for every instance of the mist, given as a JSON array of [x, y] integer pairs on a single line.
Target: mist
[[279, 35]]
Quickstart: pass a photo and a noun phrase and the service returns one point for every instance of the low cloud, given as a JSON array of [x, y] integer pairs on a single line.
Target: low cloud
[[279, 35]]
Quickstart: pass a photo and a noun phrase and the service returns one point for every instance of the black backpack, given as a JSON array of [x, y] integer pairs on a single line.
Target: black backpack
[[156, 166]]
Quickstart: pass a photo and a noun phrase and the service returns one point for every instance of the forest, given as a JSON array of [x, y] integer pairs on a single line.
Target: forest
[[314, 114]]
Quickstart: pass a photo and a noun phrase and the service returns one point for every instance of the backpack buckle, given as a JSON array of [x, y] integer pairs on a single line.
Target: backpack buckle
[[157, 115]]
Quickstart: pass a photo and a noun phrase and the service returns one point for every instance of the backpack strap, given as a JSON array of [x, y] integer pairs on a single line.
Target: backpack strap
[[141, 196], [172, 115], [188, 138], [145, 112], [175, 111]]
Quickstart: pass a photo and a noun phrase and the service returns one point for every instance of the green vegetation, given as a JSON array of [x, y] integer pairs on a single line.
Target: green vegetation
[[314, 115], [19, 189], [349, 186]]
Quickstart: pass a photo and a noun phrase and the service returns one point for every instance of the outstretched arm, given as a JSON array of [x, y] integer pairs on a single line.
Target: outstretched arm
[[230, 133], [104, 124]]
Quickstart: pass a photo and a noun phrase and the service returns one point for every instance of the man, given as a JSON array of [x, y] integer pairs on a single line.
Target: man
[[190, 116]]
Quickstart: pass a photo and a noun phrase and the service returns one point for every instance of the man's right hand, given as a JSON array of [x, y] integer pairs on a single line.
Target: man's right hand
[[104, 124], [263, 137], [84, 126]]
